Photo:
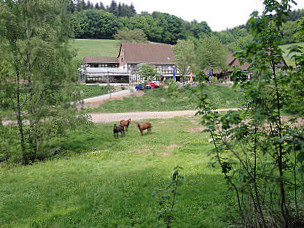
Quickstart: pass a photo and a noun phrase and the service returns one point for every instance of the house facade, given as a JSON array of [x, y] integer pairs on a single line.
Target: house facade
[[125, 67]]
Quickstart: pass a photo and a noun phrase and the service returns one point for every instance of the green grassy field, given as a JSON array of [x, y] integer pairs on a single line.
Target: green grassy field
[[107, 182], [87, 47], [159, 100]]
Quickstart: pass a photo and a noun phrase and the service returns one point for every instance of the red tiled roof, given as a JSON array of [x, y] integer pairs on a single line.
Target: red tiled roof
[[99, 60], [148, 53]]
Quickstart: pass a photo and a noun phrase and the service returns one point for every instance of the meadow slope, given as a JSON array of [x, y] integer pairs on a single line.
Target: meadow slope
[[107, 182]]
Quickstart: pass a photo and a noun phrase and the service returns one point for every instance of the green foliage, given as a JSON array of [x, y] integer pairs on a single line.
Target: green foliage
[[167, 198], [200, 30], [131, 36], [185, 57], [172, 88], [88, 91], [300, 33], [295, 80], [94, 24], [148, 72], [259, 152], [211, 54], [213, 80], [158, 27], [287, 57], [289, 29], [40, 77]]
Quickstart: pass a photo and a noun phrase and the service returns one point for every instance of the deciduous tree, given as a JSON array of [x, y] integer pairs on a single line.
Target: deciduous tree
[[211, 54], [260, 155], [132, 36], [185, 57], [34, 41], [148, 72]]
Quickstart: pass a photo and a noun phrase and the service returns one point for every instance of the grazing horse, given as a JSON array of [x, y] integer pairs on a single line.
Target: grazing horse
[[119, 128], [125, 123], [146, 126]]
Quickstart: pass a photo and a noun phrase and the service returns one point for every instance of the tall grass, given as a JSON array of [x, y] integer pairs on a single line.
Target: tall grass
[[107, 182]]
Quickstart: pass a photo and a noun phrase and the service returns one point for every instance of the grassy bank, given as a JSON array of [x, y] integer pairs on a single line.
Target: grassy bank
[[91, 47], [160, 100], [108, 182], [88, 91]]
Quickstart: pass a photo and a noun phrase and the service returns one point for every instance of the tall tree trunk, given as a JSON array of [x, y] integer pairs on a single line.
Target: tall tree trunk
[[20, 122], [283, 206]]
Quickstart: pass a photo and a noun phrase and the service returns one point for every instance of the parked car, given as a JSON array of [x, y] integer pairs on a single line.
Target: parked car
[[139, 87], [154, 84], [157, 84], [151, 84]]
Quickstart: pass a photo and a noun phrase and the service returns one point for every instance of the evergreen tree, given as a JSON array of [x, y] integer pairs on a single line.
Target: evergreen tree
[[113, 8], [101, 6], [133, 9]]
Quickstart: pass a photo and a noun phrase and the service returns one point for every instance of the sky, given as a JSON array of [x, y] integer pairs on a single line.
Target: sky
[[219, 14]]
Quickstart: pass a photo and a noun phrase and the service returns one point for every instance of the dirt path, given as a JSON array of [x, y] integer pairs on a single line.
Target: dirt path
[[136, 116]]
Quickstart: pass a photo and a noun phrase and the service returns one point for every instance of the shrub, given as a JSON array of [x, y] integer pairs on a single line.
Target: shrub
[[213, 80]]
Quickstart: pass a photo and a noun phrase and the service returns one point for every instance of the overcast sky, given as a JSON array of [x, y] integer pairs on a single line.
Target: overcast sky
[[219, 14]]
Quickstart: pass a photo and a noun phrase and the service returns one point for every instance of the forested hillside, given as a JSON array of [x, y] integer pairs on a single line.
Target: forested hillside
[[98, 21]]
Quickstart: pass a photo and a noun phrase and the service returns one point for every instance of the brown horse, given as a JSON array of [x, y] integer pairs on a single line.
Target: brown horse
[[146, 126], [125, 123]]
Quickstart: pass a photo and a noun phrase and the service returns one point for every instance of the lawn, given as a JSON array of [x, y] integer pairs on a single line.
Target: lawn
[[105, 182], [91, 47]]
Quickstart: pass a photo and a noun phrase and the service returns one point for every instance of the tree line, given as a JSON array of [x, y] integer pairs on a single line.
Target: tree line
[[100, 22], [97, 21], [240, 34]]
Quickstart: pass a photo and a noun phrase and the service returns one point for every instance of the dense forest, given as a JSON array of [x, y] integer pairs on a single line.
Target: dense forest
[[97, 21]]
